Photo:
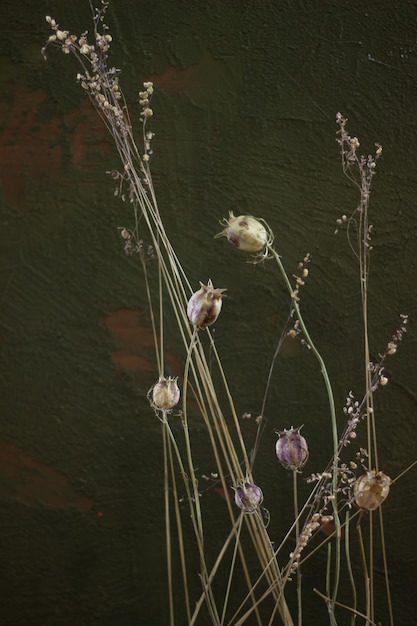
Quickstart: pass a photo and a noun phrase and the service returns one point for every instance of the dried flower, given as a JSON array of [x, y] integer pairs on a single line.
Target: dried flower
[[165, 394], [371, 489], [205, 305], [291, 448], [248, 497], [246, 233]]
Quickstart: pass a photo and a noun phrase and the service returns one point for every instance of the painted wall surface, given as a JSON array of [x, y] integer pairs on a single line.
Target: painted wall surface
[[247, 94]]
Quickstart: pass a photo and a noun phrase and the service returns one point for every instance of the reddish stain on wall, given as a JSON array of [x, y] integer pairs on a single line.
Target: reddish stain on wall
[[201, 81], [32, 150], [135, 341], [35, 483]]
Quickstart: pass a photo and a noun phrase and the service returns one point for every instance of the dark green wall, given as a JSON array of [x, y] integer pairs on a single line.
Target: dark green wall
[[247, 93]]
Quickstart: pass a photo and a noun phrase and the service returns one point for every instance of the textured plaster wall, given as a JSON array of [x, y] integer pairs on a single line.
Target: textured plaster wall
[[247, 94]]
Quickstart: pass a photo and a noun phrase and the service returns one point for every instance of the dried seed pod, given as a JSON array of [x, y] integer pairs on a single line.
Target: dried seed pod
[[165, 394], [292, 448], [246, 233], [205, 305], [248, 497], [371, 489]]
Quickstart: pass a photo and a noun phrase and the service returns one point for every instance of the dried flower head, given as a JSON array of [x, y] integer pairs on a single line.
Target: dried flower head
[[247, 233], [205, 305], [371, 489], [292, 448], [248, 497], [164, 394], [310, 527]]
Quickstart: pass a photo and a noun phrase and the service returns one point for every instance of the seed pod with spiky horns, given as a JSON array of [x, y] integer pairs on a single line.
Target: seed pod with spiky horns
[[205, 305]]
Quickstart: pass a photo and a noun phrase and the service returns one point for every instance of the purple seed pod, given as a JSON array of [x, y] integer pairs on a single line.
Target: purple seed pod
[[248, 497], [165, 394], [205, 305], [292, 449], [371, 489]]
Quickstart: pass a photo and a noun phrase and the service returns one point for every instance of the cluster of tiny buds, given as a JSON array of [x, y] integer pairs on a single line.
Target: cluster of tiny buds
[[347, 478], [350, 145], [130, 244], [213, 476], [101, 83], [144, 96], [68, 42], [352, 410], [134, 246], [319, 476], [146, 112], [378, 377], [340, 221], [258, 419], [313, 524], [397, 337], [361, 457], [62, 37], [295, 330], [366, 168], [300, 278]]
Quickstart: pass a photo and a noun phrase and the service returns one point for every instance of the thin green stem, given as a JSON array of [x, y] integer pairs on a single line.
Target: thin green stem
[[330, 396], [168, 527], [179, 524], [231, 570], [349, 567], [386, 575], [297, 538]]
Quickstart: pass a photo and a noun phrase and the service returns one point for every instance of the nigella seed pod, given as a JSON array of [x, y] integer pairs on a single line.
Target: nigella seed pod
[[165, 394], [205, 305], [292, 448], [248, 497], [246, 233], [371, 489]]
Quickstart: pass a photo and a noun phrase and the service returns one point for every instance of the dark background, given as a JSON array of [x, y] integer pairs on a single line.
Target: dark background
[[244, 115]]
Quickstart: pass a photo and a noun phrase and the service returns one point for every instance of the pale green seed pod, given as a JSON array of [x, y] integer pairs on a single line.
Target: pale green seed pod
[[205, 305], [165, 394], [246, 233], [371, 489]]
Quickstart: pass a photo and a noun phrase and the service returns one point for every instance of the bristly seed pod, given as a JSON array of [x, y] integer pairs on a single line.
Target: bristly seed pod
[[292, 449], [246, 233], [165, 394], [371, 489], [205, 305], [248, 497]]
